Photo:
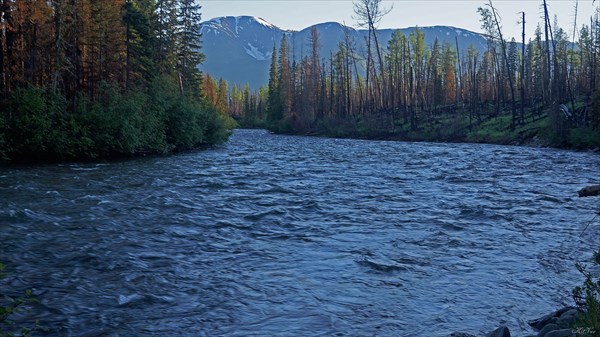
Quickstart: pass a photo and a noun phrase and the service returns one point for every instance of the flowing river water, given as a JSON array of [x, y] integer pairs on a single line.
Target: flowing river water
[[295, 236]]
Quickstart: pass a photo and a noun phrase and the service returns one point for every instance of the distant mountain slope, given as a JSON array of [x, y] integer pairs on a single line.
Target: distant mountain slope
[[239, 49]]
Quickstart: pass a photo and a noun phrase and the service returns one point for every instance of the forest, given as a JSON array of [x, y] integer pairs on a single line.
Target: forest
[[543, 89], [94, 79]]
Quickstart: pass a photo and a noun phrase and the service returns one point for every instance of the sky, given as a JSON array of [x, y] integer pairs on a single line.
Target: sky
[[300, 14]]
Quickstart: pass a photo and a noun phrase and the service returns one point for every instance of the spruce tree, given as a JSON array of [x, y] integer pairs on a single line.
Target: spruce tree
[[188, 46], [140, 42], [274, 113], [285, 78]]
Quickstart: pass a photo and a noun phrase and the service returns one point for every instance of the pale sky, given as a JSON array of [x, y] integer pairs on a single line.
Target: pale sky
[[300, 14]]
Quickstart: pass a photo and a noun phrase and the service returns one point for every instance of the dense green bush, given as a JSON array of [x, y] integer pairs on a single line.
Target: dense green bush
[[584, 138], [37, 124], [122, 124], [218, 126], [29, 123], [587, 298], [11, 305]]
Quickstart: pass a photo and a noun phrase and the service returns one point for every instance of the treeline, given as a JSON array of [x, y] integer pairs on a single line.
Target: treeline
[[545, 86], [87, 79]]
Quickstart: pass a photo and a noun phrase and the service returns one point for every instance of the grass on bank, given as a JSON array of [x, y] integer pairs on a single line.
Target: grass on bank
[[539, 127]]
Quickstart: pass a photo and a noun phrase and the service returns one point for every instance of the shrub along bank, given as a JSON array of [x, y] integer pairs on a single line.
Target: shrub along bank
[[39, 124]]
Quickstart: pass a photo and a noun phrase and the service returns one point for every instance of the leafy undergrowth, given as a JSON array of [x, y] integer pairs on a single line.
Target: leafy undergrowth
[[587, 298], [11, 305]]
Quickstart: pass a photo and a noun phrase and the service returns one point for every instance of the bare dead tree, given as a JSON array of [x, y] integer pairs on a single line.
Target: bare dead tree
[[369, 14], [523, 69], [490, 18]]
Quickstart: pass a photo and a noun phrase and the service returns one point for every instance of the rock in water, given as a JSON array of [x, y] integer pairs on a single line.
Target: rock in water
[[541, 322], [561, 333], [568, 318], [590, 191], [500, 332], [461, 334], [547, 329]]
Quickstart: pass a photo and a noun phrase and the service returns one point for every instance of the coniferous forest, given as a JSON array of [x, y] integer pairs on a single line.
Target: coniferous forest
[[89, 79], [542, 89]]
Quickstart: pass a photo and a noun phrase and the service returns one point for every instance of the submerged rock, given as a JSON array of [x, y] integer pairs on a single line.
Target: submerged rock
[[460, 334], [500, 332]]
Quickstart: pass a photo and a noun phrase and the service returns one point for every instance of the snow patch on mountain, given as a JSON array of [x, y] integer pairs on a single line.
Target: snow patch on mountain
[[461, 32], [264, 22], [257, 54], [234, 25]]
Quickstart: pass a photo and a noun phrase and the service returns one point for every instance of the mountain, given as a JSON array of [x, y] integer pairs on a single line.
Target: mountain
[[239, 49]]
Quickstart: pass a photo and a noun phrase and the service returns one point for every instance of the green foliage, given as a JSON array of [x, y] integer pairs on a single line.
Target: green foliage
[[38, 124], [584, 138], [137, 15], [587, 298], [122, 124], [9, 306], [218, 126], [29, 121], [495, 130], [34, 124], [4, 150], [185, 125], [182, 118], [595, 110], [282, 125]]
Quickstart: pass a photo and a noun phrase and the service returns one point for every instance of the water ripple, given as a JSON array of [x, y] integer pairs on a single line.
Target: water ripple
[[285, 236]]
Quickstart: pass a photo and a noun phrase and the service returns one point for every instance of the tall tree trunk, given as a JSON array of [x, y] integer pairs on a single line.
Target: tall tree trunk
[[523, 71], [548, 60], [383, 98], [508, 72], [459, 87], [3, 8]]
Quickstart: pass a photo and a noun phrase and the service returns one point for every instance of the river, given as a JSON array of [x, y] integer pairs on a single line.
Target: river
[[296, 236]]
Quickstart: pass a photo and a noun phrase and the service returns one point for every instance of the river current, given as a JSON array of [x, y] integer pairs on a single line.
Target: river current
[[295, 236]]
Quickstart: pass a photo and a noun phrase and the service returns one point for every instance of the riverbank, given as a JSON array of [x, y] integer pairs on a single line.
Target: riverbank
[[537, 128]]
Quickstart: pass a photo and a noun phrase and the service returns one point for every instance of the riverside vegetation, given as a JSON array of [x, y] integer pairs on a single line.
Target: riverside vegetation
[[10, 306], [541, 90], [87, 79]]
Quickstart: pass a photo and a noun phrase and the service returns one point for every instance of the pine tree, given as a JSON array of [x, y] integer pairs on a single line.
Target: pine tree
[[165, 27], [449, 70], [315, 74], [188, 46], [285, 78], [274, 112], [209, 89], [140, 42], [222, 95]]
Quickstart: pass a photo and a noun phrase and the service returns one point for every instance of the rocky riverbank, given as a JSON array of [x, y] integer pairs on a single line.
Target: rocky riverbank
[[555, 324]]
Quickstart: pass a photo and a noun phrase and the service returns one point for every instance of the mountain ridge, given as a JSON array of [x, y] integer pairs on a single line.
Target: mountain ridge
[[239, 48]]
